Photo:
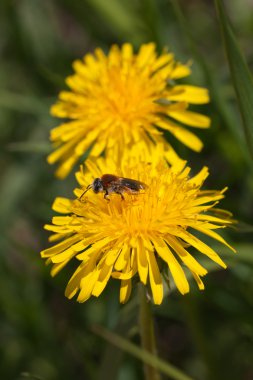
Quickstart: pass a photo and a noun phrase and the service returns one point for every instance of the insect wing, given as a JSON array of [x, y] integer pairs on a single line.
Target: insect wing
[[131, 184]]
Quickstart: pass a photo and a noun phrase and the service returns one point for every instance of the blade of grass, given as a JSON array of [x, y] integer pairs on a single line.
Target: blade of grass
[[117, 15], [228, 116], [240, 74], [29, 147], [24, 103], [244, 253], [141, 354], [150, 12], [126, 326]]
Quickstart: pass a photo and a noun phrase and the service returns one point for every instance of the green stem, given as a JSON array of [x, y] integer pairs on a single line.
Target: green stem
[[146, 326]]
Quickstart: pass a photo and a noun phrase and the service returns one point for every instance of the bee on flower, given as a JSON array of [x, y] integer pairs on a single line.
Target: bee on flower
[[110, 183], [124, 239]]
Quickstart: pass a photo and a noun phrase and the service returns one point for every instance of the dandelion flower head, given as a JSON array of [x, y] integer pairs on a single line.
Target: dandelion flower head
[[122, 98], [149, 236]]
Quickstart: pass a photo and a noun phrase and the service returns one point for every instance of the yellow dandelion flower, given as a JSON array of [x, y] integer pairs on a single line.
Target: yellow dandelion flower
[[122, 98], [148, 235]]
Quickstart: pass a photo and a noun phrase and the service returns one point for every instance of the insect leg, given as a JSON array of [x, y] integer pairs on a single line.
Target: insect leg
[[120, 193], [106, 196]]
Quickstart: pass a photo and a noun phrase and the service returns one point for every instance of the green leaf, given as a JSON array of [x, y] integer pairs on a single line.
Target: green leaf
[[240, 74], [141, 354]]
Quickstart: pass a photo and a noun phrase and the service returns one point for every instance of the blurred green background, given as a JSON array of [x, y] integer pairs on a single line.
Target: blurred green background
[[209, 334]]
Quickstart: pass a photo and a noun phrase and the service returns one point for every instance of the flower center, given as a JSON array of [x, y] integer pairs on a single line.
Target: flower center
[[127, 97]]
